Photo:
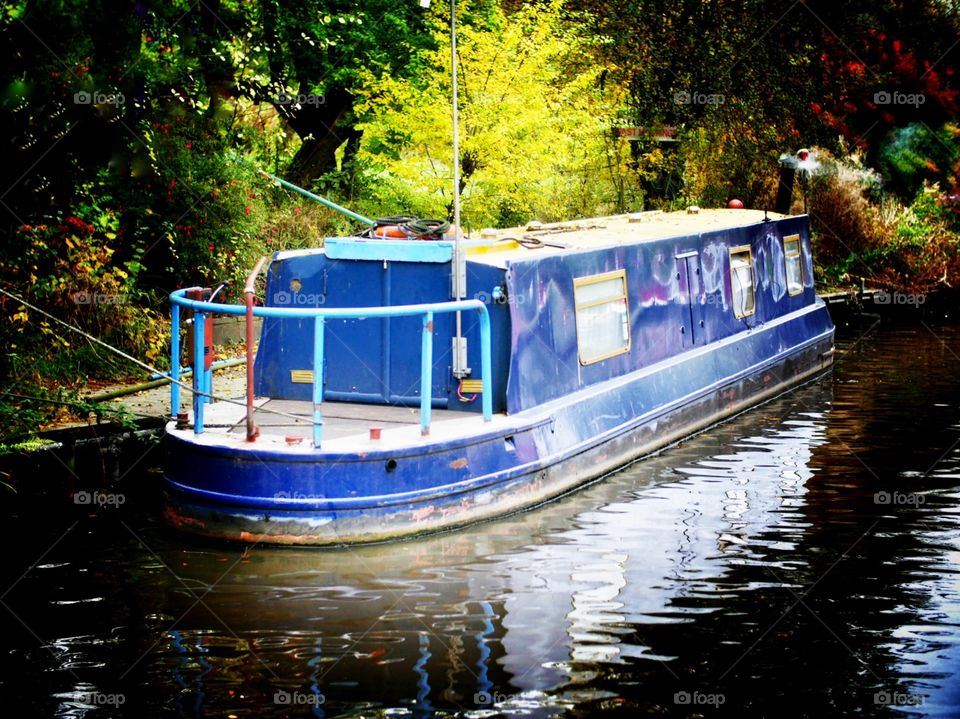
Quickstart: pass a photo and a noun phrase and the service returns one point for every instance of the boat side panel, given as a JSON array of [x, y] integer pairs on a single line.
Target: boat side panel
[[244, 483], [532, 485], [545, 362]]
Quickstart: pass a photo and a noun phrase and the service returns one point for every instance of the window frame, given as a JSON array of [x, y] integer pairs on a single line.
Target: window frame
[[738, 250], [579, 282], [798, 256]]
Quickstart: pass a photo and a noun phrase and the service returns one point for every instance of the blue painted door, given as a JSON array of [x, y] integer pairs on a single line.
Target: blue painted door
[[688, 280]]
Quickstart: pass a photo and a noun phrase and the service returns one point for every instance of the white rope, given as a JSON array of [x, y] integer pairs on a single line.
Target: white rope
[[149, 368]]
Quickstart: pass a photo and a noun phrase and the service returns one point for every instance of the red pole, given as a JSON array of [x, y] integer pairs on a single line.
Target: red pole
[[248, 292]]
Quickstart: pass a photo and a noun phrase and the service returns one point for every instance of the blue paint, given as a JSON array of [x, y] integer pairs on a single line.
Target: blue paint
[[676, 303], [340, 482], [370, 360], [208, 383], [199, 376], [318, 335], [426, 372], [354, 248]]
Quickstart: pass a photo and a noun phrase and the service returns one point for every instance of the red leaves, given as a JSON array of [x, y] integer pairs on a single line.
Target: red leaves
[[78, 225], [886, 82]]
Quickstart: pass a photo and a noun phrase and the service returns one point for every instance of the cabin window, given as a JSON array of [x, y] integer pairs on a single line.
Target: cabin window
[[792, 258], [603, 316], [741, 281]]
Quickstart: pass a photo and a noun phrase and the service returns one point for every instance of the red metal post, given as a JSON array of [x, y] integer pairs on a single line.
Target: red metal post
[[248, 292]]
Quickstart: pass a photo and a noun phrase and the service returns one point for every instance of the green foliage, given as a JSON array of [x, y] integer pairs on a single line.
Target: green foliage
[[209, 215], [20, 420], [729, 157], [28, 409], [535, 140], [78, 269], [915, 154], [28, 445]]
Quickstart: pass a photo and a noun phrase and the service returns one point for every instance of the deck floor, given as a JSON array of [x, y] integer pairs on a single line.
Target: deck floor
[[340, 419]]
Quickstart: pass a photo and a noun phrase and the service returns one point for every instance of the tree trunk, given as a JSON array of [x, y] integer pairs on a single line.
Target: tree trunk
[[319, 127]]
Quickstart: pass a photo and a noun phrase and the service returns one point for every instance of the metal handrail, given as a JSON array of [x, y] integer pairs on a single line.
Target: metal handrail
[[320, 314]]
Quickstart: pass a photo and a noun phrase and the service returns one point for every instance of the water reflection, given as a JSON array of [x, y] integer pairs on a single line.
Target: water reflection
[[750, 570]]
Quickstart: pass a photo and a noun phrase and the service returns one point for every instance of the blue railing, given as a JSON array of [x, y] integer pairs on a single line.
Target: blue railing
[[203, 381]]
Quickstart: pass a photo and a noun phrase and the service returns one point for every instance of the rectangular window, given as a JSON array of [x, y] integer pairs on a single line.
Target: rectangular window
[[794, 264], [741, 281], [603, 316]]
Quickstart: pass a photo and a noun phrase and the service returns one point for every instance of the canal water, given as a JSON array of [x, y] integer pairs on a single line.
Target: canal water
[[802, 559]]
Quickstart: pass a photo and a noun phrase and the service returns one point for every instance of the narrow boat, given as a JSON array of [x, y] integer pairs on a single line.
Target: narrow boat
[[378, 407]]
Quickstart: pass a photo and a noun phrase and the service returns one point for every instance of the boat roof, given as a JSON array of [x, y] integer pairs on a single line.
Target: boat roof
[[496, 247]]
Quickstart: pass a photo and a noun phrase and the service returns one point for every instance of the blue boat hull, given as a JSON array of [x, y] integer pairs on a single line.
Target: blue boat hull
[[252, 494]]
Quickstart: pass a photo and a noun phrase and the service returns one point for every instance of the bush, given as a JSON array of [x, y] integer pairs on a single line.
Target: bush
[[845, 203], [916, 155], [862, 233]]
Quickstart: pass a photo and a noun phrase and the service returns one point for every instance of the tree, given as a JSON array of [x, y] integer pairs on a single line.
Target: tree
[[534, 124], [759, 78], [307, 59]]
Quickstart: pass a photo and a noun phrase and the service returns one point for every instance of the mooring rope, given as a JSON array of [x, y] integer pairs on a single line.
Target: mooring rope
[[149, 368]]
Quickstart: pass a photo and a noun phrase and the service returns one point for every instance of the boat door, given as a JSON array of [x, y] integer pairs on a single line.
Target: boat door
[[688, 279]]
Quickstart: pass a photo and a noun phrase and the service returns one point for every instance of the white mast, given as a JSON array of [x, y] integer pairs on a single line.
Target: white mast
[[459, 278], [460, 368]]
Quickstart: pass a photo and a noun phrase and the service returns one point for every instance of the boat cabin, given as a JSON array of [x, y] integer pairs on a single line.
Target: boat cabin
[[571, 305]]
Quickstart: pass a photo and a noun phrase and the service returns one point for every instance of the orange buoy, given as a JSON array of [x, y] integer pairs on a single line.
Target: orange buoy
[[390, 231]]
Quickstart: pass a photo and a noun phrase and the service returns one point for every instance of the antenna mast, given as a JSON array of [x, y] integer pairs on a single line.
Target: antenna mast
[[460, 368], [459, 275]]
